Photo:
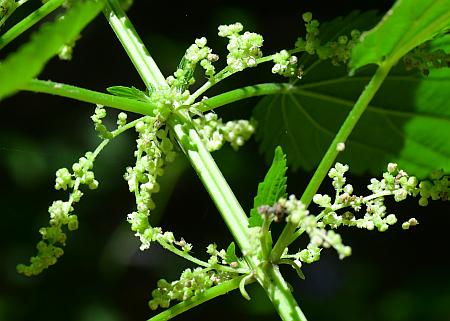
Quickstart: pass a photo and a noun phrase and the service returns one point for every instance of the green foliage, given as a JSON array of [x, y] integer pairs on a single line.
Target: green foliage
[[271, 189], [230, 255], [405, 26], [30, 59], [128, 92], [394, 127], [318, 108]]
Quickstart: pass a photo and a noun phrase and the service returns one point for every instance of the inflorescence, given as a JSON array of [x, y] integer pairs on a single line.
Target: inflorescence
[[214, 132], [368, 212], [339, 51]]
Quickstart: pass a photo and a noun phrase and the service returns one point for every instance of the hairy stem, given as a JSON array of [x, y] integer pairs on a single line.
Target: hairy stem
[[327, 161], [89, 96], [29, 21]]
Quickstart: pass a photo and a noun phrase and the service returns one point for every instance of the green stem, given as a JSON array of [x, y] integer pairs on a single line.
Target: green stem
[[327, 161], [279, 293], [225, 73], [187, 256], [221, 289], [90, 96], [206, 168], [29, 21], [133, 45], [242, 93], [209, 173], [235, 218], [10, 11]]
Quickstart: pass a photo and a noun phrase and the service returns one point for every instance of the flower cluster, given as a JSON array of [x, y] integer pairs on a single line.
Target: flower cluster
[[318, 235], [192, 282], [286, 65], [97, 119], [196, 53], [338, 51], [311, 41], [195, 281], [437, 188], [53, 236], [244, 50], [320, 228], [424, 58], [154, 151], [214, 132]]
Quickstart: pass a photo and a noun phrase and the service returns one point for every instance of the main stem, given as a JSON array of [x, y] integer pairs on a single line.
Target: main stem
[[236, 219], [288, 234]]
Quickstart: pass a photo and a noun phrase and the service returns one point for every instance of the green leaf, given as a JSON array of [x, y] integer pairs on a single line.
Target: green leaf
[[271, 189], [408, 24], [29, 60], [230, 255], [128, 92], [407, 122]]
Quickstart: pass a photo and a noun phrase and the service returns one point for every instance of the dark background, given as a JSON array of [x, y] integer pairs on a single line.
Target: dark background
[[393, 276]]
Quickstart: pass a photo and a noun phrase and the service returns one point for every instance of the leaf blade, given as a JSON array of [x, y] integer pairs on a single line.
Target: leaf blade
[[28, 61], [407, 25], [230, 254], [128, 92], [272, 188], [407, 122]]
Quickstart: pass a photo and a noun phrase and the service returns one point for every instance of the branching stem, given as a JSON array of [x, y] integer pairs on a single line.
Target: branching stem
[[327, 161], [221, 289], [202, 161], [86, 95]]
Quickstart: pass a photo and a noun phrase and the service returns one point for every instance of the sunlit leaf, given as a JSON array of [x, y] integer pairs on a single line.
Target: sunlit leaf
[[408, 24], [407, 122], [230, 255], [29, 60], [271, 189]]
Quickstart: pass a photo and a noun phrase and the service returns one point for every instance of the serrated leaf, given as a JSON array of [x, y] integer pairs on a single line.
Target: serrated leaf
[[128, 92], [230, 255], [28, 61], [408, 24], [271, 189], [407, 122]]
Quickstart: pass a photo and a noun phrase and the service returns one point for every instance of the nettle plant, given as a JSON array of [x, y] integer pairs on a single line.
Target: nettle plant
[[301, 114]]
